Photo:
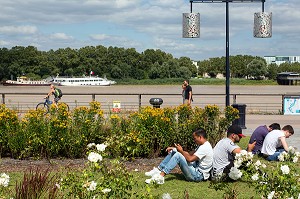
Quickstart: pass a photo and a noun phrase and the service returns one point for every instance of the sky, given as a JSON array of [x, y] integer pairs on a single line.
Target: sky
[[148, 24]]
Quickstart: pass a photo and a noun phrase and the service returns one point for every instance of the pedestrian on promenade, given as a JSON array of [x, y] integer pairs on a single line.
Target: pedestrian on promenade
[[183, 92], [225, 150], [195, 165], [259, 135], [275, 143], [188, 94]]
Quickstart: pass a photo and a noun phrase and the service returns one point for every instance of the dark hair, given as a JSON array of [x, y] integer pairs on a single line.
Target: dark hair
[[187, 81], [201, 132], [274, 126], [288, 128]]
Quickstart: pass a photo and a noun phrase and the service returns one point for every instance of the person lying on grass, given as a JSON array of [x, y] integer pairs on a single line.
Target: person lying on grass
[[195, 165]]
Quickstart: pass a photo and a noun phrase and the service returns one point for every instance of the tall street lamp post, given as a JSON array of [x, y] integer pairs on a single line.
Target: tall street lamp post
[[262, 28]]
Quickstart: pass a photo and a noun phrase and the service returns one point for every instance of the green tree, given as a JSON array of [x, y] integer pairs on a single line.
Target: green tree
[[257, 69], [187, 62], [272, 71], [116, 72]]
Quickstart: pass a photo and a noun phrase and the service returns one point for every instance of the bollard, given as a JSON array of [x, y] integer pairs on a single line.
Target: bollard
[[156, 102]]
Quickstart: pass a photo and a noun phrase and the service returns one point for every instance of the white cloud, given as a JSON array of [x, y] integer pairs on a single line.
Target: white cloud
[[99, 37], [61, 36], [146, 24], [18, 29], [4, 43]]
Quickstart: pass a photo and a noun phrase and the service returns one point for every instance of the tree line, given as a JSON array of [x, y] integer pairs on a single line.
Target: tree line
[[121, 63]]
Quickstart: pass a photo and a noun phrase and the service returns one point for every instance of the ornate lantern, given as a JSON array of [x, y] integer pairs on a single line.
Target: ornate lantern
[[191, 25], [262, 25]]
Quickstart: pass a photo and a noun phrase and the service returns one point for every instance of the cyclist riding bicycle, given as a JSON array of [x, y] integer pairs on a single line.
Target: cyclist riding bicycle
[[56, 92]]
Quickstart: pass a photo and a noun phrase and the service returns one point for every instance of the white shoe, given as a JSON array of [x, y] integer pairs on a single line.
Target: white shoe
[[152, 172], [157, 178]]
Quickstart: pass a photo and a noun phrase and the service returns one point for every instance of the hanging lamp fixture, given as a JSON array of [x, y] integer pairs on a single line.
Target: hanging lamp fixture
[[262, 24]]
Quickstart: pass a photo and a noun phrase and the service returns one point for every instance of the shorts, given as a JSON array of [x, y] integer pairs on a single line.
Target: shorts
[[56, 99]]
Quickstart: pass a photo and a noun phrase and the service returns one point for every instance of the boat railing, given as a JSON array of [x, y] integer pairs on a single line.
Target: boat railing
[[255, 103]]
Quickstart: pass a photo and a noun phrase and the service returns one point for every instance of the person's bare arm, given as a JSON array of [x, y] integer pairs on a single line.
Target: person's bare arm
[[190, 97], [48, 95], [189, 157], [284, 143], [237, 150], [251, 146]]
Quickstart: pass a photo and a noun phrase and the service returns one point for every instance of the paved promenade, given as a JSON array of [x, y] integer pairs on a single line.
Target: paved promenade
[[253, 121]]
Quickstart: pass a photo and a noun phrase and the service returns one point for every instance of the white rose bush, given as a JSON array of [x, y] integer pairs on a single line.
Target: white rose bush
[[101, 178], [272, 180], [292, 155]]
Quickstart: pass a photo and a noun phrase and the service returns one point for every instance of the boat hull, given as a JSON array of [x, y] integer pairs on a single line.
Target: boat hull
[[82, 81], [25, 84], [24, 81], [7, 84]]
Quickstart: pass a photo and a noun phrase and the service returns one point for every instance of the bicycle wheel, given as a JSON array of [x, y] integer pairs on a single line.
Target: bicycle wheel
[[43, 107]]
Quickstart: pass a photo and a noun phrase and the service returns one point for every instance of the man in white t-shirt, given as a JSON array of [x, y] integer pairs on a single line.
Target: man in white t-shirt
[[195, 165], [225, 150], [275, 143]]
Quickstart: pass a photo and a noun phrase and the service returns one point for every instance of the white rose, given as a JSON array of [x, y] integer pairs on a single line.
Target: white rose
[[92, 186], [4, 179], [90, 145], [270, 196], [285, 169], [255, 177], [295, 159], [106, 190], [94, 157], [235, 173], [101, 147]]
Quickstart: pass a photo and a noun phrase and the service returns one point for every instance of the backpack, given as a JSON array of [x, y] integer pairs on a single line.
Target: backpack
[[58, 92]]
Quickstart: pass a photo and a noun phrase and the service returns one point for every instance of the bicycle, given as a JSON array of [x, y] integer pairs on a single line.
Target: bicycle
[[47, 104]]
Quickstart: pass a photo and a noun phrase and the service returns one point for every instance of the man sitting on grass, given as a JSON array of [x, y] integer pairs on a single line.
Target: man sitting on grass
[[195, 165], [275, 143], [225, 150]]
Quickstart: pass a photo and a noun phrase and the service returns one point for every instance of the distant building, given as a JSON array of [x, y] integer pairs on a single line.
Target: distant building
[[281, 59]]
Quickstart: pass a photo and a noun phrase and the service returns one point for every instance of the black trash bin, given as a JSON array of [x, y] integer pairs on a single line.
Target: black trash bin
[[156, 102], [242, 114]]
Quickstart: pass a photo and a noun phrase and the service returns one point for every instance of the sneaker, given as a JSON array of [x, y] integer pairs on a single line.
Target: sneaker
[[152, 172], [157, 178]]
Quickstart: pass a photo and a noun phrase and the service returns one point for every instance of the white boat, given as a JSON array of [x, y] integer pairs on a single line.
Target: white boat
[[24, 81], [82, 81]]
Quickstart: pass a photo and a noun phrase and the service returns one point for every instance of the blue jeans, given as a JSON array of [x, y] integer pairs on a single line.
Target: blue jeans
[[274, 157], [189, 171]]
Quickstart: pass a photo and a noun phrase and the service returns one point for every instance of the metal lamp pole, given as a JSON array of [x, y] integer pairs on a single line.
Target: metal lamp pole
[[227, 35]]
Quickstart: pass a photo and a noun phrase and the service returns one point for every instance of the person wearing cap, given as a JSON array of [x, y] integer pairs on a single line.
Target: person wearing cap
[[225, 150], [259, 135], [275, 143]]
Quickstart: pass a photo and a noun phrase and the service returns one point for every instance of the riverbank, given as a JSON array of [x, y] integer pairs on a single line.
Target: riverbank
[[195, 81]]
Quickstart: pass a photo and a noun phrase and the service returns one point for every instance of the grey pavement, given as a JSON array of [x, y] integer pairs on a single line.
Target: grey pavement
[[253, 121]]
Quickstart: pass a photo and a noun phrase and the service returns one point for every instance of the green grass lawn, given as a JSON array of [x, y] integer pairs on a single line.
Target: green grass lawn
[[178, 187]]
